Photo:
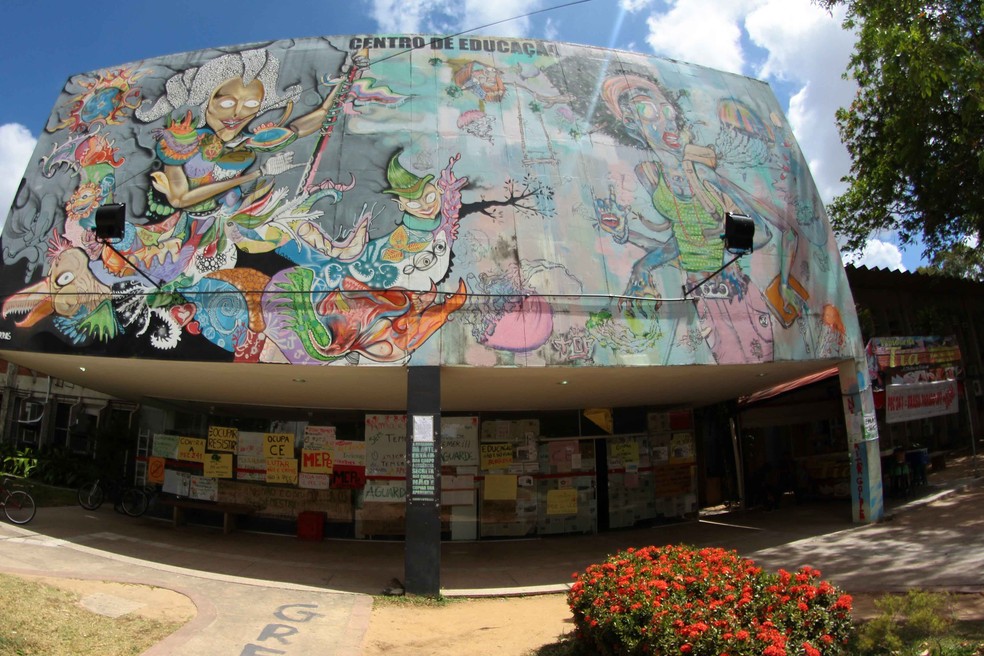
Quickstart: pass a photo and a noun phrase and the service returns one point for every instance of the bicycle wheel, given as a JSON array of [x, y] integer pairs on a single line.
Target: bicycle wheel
[[20, 507], [91, 495], [134, 502]]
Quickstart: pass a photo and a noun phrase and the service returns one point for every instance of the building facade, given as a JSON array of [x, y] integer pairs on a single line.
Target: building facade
[[367, 274]]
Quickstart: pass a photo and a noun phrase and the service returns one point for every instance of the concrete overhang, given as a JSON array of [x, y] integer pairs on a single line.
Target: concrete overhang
[[265, 389]]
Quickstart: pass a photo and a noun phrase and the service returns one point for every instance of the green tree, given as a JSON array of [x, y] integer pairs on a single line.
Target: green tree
[[962, 261], [915, 127]]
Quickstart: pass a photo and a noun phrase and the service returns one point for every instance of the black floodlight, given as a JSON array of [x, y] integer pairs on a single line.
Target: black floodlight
[[109, 222], [739, 231]]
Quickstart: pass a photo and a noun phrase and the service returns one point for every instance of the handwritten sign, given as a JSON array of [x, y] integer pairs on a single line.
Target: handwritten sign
[[496, 455], [165, 446], [625, 452], [206, 489], [223, 438], [315, 462], [251, 444], [500, 487], [347, 477], [281, 470], [312, 481], [562, 502], [316, 438], [347, 452], [191, 449], [386, 445], [218, 465], [278, 445], [251, 468], [383, 491], [459, 441]]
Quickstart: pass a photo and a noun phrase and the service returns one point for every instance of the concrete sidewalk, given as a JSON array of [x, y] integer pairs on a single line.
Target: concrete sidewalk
[[257, 592]]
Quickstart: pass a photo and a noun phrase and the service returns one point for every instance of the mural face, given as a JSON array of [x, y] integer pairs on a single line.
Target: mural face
[[381, 200]]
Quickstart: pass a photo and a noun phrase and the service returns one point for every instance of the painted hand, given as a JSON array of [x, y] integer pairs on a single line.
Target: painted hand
[[278, 164]]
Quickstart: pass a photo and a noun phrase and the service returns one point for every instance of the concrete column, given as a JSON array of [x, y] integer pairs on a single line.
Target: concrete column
[[867, 497], [422, 549]]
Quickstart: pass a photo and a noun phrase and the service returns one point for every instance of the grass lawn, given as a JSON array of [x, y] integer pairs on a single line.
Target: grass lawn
[[44, 620], [45, 496]]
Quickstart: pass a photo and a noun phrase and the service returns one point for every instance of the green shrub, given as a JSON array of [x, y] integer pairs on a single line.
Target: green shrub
[[705, 602], [919, 618], [19, 462]]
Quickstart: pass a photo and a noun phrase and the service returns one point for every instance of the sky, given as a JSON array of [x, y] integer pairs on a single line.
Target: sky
[[800, 49]]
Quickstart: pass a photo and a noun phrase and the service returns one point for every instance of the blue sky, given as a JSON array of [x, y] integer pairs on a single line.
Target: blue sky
[[792, 44]]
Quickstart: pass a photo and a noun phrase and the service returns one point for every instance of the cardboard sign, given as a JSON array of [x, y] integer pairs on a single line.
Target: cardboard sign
[[191, 449], [278, 445], [497, 455], [223, 438], [562, 502], [500, 487], [281, 470], [218, 465], [316, 462]]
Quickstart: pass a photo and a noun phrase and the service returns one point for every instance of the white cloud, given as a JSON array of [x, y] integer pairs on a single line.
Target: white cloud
[[449, 17], [633, 6], [808, 46], [551, 30], [484, 12], [706, 32], [877, 254], [16, 146]]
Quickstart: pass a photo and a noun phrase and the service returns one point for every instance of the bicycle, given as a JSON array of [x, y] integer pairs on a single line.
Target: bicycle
[[127, 499], [18, 505]]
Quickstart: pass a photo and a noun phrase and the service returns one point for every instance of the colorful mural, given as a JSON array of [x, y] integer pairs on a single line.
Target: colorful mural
[[382, 200]]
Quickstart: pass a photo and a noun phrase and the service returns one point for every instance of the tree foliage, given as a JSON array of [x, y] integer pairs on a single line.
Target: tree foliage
[[961, 261], [915, 130]]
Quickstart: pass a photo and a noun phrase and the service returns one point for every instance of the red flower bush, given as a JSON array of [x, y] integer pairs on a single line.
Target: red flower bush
[[705, 602]]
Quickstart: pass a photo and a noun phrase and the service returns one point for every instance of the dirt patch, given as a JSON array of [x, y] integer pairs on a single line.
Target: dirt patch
[[144, 600], [517, 626], [513, 625]]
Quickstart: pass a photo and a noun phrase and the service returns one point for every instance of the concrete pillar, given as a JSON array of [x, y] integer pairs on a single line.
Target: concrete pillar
[[867, 495], [422, 549]]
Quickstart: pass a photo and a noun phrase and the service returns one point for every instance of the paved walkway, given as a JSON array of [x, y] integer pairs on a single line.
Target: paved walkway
[[257, 593]]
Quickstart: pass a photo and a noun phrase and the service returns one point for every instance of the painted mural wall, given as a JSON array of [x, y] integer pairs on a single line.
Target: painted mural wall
[[385, 200]]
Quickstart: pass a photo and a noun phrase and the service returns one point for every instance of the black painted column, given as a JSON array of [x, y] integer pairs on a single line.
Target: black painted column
[[422, 549]]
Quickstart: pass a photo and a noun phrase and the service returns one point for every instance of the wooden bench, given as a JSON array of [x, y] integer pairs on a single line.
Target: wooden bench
[[230, 511]]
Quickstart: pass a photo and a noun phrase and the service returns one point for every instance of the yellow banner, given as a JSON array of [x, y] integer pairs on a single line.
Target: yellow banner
[[223, 438], [562, 502], [497, 455], [191, 449], [218, 465], [278, 445], [281, 470], [500, 487]]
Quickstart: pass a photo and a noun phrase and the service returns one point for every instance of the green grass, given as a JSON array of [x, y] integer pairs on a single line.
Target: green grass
[[46, 496], [47, 621], [413, 600]]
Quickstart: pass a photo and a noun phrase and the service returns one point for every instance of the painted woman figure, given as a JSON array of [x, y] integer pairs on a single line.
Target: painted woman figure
[[208, 171]]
